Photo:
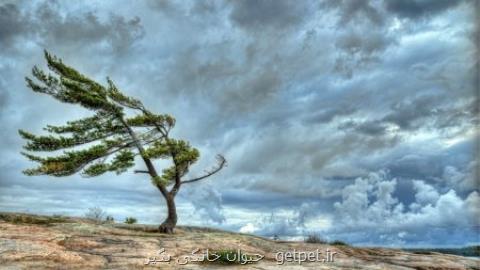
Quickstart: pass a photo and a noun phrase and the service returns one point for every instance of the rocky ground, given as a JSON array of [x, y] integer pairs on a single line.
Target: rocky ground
[[37, 242]]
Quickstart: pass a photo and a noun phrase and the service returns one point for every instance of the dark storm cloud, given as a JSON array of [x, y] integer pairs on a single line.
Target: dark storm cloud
[[163, 5], [3, 97], [206, 7], [371, 128], [360, 50], [431, 165], [356, 42], [11, 24], [328, 114], [117, 31], [278, 15], [476, 30], [267, 201], [363, 35], [406, 113], [415, 9], [430, 110], [420, 166], [349, 11], [4, 94], [252, 93], [47, 25]]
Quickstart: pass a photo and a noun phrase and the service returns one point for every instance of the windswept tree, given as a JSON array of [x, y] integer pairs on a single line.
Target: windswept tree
[[120, 129]]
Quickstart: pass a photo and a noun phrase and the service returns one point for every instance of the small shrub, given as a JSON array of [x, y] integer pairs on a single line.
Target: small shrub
[[96, 214], [130, 220], [338, 243], [314, 238], [110, 219]]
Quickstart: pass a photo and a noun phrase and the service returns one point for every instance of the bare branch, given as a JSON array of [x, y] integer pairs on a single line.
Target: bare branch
[[140, 171], [222, 162]]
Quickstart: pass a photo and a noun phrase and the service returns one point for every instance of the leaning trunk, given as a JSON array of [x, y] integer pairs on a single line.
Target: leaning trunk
[[168, 226]]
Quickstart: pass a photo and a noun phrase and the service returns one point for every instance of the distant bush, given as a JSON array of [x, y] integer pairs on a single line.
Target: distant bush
[[96, 214], [338, 243], [109, 219], [314, 238], [130, 220]]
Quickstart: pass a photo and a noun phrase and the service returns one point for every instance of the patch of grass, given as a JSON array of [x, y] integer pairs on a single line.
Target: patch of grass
[[31, 219], [197, 229], [338, 243], [137, 227]]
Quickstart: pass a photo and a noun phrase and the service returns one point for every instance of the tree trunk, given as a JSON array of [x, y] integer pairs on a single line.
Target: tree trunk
[[168, 226]]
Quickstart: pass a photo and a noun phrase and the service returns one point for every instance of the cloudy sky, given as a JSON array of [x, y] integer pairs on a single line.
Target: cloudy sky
[[356, 120]]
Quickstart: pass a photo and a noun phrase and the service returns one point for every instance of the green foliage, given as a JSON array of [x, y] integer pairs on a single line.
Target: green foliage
[[66, 164], [51, 143], [120, 98], [104, 134], [183, 156], [100, 122], [181, 151], [146, 120], [157, 181], [96, 169], [71, 87], [159, 149], [73, 161], [122, 161], [168, 175], [130, 220]]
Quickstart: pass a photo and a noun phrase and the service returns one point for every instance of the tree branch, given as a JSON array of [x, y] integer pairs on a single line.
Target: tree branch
[[222, 162], [141, 171], [151, 168]]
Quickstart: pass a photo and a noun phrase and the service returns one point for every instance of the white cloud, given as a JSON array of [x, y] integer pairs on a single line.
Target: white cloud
[[206, 202], [248, 228], [465, 180], [369, 206], [425, 193]]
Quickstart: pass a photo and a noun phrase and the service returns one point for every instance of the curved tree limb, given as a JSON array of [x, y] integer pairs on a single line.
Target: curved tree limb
[[222, 162]]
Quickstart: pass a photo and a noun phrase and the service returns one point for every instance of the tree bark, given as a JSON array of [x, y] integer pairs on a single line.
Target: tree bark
[[168, 226]]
